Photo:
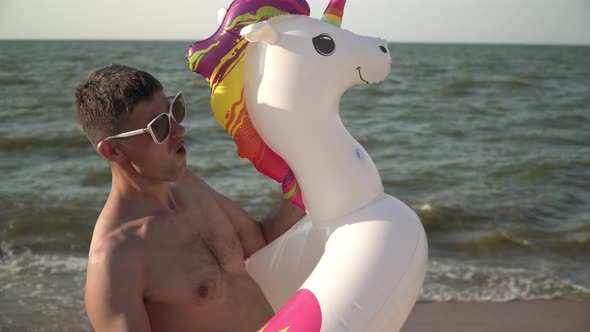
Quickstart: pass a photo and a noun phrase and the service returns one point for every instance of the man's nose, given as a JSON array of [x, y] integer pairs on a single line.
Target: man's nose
[[178, 130]]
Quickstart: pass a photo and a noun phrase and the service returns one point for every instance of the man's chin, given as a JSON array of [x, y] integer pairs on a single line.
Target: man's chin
[[179, 171]]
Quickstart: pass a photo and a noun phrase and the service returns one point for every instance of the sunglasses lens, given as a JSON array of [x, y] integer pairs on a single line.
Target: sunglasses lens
[[178, 108], [161, 127]]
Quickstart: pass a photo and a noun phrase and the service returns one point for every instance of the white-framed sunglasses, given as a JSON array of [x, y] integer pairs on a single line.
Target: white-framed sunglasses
[[160, 127]]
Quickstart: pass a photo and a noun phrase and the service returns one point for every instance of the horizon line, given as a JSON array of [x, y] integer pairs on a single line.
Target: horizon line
[[414, 42]]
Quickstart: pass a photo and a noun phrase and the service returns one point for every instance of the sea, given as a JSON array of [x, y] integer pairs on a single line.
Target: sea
[[488, 144]]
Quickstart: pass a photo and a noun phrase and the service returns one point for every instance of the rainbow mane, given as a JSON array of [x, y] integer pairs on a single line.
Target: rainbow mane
[[220, 60]]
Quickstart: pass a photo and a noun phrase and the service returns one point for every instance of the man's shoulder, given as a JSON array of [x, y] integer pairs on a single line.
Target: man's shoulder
[[189, 181], [191, 186], [119, 248], [122, 223], [114, 252]]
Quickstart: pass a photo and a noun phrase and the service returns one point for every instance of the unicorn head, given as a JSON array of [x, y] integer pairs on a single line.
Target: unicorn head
[[312, 58], [276, 78], [296, 69]]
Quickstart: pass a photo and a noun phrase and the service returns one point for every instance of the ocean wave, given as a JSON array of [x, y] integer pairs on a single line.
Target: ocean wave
[[539, 167], [469, 282], [441, 218], [52, 285], [15, 81], [466, 86], [373, 91], [430, 69], [29, 223], [24, 262], [483, 241], [96, 177], [38, 141], [485, 232], [576, 241], [47, 289]]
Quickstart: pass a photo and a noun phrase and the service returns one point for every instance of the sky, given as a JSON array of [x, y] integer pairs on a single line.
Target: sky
[[564, 22]]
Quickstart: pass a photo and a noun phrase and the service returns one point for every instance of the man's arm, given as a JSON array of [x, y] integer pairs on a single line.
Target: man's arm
[[114, 291], [280, 220]]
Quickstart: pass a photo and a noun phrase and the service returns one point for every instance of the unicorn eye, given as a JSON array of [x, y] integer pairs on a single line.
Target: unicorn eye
[[324, 44]]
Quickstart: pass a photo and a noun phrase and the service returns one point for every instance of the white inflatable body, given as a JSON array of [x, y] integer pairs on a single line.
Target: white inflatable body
[[357, 261], [362, 253]]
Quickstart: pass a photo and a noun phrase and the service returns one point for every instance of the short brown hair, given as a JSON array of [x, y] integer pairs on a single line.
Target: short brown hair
[[105, 99]]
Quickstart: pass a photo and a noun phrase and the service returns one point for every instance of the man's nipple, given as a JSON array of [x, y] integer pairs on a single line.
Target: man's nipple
[[202, 291]]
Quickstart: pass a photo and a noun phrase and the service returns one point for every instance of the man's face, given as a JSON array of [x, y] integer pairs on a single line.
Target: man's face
[[162, 162]]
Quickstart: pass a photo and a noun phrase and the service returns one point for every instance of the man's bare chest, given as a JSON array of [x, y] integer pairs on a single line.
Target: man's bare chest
[[190, 268]]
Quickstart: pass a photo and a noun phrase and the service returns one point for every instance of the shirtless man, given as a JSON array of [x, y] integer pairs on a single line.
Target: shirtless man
[[167, 253]]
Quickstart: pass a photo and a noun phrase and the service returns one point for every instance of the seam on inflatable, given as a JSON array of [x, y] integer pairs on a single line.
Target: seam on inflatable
[[333, 227]]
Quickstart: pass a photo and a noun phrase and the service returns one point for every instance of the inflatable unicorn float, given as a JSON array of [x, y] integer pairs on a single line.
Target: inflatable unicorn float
[[357, 261]]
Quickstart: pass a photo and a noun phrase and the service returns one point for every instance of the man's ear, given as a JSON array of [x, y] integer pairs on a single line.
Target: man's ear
[[110, 151], [260, 32]]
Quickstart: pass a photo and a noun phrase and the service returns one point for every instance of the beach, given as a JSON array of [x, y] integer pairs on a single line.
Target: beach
[[517, 316]]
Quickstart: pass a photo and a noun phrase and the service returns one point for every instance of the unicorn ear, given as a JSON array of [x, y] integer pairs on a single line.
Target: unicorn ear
[[260, 32]]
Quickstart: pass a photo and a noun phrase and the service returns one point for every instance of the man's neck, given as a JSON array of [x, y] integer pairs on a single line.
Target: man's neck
[[128, 183]]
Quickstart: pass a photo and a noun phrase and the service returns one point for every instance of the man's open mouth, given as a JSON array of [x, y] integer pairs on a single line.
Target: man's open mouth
[[181, 150]]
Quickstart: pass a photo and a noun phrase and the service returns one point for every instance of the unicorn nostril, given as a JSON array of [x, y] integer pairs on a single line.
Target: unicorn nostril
[[383, 49]]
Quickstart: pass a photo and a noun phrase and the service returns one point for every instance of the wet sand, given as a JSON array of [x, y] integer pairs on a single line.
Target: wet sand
[[518, 316]]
